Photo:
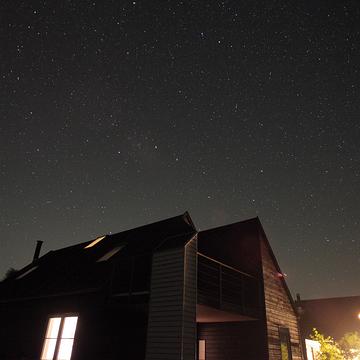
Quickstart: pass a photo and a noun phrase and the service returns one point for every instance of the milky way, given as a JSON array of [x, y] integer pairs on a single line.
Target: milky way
[[115, 113]]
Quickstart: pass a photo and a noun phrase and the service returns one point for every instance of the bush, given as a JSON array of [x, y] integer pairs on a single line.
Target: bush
[[329, 349], [350, 345]]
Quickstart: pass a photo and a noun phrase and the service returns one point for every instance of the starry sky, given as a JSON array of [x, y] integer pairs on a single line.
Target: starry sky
[[114, 114]]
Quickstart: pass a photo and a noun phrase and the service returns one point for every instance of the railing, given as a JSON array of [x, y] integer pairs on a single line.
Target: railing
[[225, 288]]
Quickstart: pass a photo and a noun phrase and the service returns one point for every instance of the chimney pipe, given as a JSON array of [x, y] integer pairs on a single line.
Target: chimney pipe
[[37, 250], [300, 309]]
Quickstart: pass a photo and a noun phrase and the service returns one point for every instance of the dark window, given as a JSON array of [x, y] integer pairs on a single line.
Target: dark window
[[285, 345]]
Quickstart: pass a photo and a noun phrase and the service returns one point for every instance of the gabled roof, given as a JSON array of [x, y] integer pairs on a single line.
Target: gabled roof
[[235, 244], [79, 268], [249, 230]]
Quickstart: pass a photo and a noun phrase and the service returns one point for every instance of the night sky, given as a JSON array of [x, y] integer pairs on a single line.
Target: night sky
[[114, 114]]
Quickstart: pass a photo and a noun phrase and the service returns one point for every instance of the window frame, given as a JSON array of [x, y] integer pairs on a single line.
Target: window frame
[[59, 336], [284, 338], [109, 254]]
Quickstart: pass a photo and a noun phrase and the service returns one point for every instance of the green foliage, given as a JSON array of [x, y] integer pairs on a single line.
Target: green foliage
[[348, 347], [350, 344], [329, 349], [10, 273], [284, 352]]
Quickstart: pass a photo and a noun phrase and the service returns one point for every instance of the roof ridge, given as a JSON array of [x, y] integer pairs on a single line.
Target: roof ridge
[[332, 298], [183, 216], [256, 218]]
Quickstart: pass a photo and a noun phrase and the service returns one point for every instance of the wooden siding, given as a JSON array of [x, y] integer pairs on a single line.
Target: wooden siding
[[190, 300], [172, 311], [279, 310], [232, 341]]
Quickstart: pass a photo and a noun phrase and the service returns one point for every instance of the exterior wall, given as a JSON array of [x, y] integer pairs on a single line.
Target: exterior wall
[[233, 341], [278, 308], [236, 245], [190, 301], [172, 309], [21, 331], [100, 326]]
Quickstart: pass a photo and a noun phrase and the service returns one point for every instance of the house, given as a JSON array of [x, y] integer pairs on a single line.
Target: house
[[160, 291], [332, 317]]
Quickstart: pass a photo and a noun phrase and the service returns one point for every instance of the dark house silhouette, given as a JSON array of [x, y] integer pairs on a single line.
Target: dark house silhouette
[[332, 316], [160, 291]]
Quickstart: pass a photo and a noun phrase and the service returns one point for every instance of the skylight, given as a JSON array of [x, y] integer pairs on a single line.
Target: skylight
[[26, 272], [111, 253], [93, 243]]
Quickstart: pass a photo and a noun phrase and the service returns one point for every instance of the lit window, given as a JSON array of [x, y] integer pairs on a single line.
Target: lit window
[[111, 253], [93, 243], [312, 349], [59, 338], [285, 345], [26, 272], [201, 350]]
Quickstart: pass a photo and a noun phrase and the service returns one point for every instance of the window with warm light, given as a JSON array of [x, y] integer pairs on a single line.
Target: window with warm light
[[312, 348], [201, 350], [93, 243], [59, 338]]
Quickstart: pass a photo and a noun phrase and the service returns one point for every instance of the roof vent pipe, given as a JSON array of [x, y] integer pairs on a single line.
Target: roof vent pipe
[[37, 250]]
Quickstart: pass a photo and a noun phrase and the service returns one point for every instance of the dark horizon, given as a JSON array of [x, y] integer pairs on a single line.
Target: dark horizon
[[117, 114]]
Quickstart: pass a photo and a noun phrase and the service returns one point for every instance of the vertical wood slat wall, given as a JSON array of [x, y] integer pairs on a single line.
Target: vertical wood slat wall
[[279, 311], [190, 301], [172, 309], [232, 340]]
